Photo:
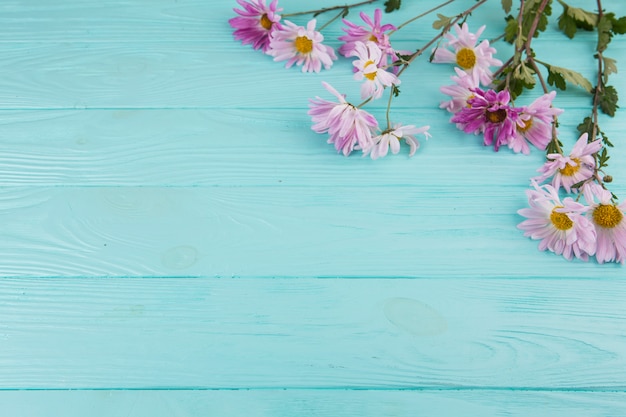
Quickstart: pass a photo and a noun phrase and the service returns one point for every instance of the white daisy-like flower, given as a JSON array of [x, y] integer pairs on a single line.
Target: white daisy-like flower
[[370, 69], [390, 139], [466, 54], [609, 221], [459, 92], [301, 46]]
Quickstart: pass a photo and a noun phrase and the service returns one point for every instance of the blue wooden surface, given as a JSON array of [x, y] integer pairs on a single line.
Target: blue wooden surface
[[176, 241]]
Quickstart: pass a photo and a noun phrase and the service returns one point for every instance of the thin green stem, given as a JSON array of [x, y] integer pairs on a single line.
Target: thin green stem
[[331, 21], [328, 9], [391, 90], [421, 15]]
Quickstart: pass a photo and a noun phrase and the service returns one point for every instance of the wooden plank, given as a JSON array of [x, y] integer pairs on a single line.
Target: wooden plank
[[273, 231], [312, 333], [310, 403], [80, 75], [177, 148]]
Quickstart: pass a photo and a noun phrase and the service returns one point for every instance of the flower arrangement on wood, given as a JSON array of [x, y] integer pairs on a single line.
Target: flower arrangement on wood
[[571, 210]]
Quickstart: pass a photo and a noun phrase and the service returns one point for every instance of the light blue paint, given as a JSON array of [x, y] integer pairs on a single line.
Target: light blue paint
[[175, 240]]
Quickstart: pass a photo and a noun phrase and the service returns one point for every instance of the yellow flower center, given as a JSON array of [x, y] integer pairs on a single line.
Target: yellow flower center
[[370, 75], [560, 220], [527, 125], [373, 38], [466, 58], [496, 116], [303, 44], [266, 22], [607, 216], [570, 170]]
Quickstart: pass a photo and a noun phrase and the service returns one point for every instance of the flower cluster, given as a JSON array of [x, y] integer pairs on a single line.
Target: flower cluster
[[570, 228], [487, 111], [260, 24]]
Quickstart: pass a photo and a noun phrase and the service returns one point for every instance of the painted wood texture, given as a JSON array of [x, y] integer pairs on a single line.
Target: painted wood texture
[[175, 240]]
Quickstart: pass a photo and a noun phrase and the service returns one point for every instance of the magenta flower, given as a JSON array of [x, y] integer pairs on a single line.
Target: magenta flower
[[608, 219], [370, 69], [459, 92], [375, 32], [390, 139], [301, 46], [488, 112], [569, 170], [560, 225], [255, 22], [348, 126], [535, 124], [472, 58]]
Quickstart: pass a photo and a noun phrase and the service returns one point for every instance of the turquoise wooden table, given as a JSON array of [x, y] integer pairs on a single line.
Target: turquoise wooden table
[[176, 240]]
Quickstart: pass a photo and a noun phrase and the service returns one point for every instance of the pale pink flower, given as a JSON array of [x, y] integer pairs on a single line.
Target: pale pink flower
[[560, 225], [301, 46], [459, 92], [466, 54], [371, 70], [390, 139], [488, 112], [608, 219], [535, 124], [569, 170], [255, 22], [348, 126], [375, 32]]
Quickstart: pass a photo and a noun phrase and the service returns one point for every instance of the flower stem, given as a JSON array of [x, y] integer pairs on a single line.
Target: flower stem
[[331, 20], [391, 91], [421, 15], [328, 9]]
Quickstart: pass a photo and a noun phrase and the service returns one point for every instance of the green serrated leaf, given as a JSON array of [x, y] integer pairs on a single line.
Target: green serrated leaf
[[557, 80], [571, 77], [507, 5], [619, 25], [586, 126], [567, 24], [608, 100], [395, 90], [605, 27], [610, 67], [510, 30], [525, 74], [391, 5], [587, 19], [441, 22]]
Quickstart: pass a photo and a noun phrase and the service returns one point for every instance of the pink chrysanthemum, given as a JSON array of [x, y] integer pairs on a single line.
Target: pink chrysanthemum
[[371, 69], [348, 126], [488, 112], [375, 32], [459, 92], [301, 46], [569, 170], [561, 225], [390, 139], [608, 219], [535, 124], [255, 22], [466, 54]]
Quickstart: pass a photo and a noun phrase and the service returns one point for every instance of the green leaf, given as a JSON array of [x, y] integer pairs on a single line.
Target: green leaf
[[610, 67], [510, 30], [391, 5], [603, 158], [557, 80], [571, 77], [395, 90], [619, 25], [525, 75], [567, 24], [605, 27], [442, 22], [586, 126], [507, 5], [585, 18], [608, 100]]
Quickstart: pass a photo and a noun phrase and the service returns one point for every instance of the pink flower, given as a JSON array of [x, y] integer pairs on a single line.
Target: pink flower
[[535, 124], [390, 139], [348, 126], [569, 170], [560, 225], [459, 92], [374, 33], [472, 58], [371, 69], [301, 46], [608, 219], [488, 112], [255, 22]]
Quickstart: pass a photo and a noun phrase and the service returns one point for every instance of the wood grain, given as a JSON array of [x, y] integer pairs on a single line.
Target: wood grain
[[312, 403], [311, 333]]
